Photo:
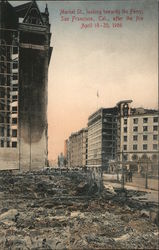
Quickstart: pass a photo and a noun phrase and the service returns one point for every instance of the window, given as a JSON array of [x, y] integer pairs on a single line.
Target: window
[[14, 120], [15, 50], [154, 137], [1, 119], [145, 128], [15, 76], [144, 146], [125, 138], [155, 146], [125, 129], [154, 157], [125, 121], [134, 157], [135, 129], [14, 110], [8, 144], [135, 120], [15, 65], [155, 119], [14, 133], [2, 94], [124, 147], [8, 132], [144, 137], [2, 131], [2, 144], [8, 119], [14, 97], [14, 144], [155, 128], [135, 147], [135, 137], [15, 88], [125, 157], [145, 120]]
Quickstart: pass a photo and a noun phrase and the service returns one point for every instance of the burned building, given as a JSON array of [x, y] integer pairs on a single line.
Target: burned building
[[25, 54]]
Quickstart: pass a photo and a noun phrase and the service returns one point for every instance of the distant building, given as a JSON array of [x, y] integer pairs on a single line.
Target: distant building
[[61, 160], [77, 149], [102, 137], [24, 60], [138, 137]]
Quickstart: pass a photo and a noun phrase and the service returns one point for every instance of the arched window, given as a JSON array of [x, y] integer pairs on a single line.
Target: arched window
[[134, 157], [33, 17], [154, 158], [144, 157]]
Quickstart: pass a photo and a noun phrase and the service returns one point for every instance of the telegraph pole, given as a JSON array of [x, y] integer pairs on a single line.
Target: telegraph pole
[[122, 181]]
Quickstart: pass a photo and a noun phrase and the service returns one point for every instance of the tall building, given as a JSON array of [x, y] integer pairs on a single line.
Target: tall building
[[24, 60], [77, 149], [138, 136], [102, 137]]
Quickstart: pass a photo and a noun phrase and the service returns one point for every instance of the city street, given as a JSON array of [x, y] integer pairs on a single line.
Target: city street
[[138, 184], [136, 181]]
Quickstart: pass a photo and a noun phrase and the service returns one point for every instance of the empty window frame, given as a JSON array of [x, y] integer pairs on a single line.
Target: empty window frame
[[135, 137], [125, 121], [155, 128], [135, 129], [145, 137], [135, 120], [155, 146], [125, 138], [155, 137], [145, 128], [145, 120], [135, 147], [155, 119], [144, 146], [125, 129], [14, 120], [14, 144]]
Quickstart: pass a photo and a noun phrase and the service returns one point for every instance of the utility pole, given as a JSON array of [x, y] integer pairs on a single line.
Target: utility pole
[[146, 175], [122, 181]]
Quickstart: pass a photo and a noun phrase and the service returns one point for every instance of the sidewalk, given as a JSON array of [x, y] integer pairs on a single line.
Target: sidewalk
[[150, 195], [137, 181]]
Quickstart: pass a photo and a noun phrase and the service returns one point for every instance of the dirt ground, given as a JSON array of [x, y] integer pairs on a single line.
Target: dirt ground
[[60, 211]]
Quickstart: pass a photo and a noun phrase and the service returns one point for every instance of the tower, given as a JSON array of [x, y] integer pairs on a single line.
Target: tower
[[25, 38]]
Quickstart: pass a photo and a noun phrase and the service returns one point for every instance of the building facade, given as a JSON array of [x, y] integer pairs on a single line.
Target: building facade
[[24, 60], [77, 149], [138, 137], [102, 137]]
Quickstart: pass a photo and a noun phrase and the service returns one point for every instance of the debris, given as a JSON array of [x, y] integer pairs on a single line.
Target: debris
[[59, 211]]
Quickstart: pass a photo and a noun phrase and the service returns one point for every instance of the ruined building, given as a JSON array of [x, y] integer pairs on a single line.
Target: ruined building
[[25, 53]]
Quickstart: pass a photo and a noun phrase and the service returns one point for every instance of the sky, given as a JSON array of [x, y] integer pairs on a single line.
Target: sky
[[120, 63]]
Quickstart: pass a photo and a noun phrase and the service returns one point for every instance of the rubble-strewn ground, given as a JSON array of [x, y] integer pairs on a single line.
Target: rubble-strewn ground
[[56, 211]]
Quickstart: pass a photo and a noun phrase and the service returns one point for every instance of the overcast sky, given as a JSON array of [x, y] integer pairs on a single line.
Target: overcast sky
[[119, 63]]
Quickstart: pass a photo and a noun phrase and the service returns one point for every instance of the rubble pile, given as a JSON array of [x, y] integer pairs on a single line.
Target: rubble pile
[[58, 211]]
